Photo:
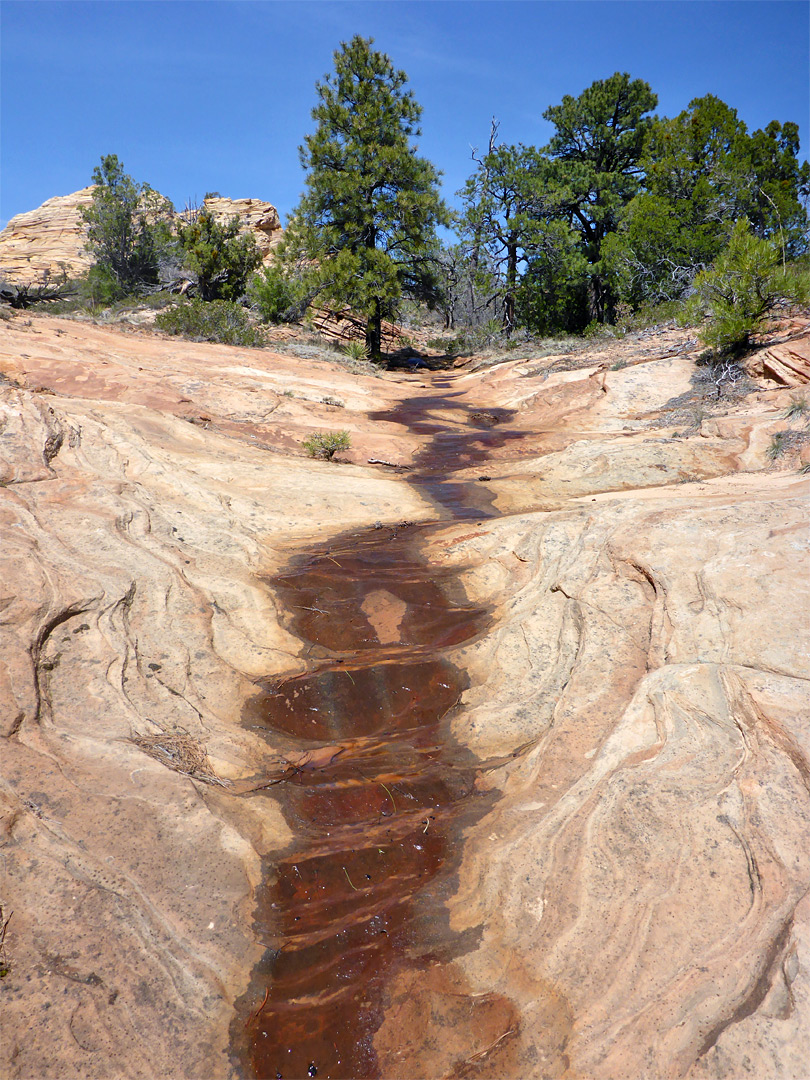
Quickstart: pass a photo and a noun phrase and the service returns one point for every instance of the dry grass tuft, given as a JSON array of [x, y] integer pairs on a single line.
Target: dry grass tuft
[[181, 752]]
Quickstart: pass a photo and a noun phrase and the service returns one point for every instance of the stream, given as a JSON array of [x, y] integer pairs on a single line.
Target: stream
[[377, 815]]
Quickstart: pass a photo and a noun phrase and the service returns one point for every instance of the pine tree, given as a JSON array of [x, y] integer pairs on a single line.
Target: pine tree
[[597, 145], [366, 222]]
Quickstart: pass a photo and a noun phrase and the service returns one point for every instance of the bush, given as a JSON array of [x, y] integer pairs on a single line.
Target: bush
[[127, 229], [326, 444], [217, 320], [217, 256], [356, 350], [274, 295], [738, 291]]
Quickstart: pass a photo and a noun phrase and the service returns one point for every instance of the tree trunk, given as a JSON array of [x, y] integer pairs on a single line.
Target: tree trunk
[[374, 332], [511, 284]]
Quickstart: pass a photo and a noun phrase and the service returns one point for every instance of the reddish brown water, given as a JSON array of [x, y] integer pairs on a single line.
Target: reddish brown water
[[360, 895]]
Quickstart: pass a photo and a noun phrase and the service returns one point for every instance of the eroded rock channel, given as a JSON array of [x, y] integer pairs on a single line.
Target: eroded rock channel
[[378, 794]]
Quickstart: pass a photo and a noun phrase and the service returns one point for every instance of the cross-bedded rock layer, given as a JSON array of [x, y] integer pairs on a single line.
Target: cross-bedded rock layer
[[635, 901]]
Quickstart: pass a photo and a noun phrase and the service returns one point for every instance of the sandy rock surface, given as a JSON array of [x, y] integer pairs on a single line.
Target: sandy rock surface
[[53, 236], [256, 216], [635, 902], [43, 240]]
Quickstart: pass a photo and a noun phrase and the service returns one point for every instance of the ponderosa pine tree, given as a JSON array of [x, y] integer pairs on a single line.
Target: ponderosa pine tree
[[366, 222], [596, 149]]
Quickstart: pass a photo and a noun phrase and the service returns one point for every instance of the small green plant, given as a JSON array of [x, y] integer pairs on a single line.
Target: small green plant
[[618, 365], [356, 350], [287, 393], [222, 321], [744, 284], [778, 445], [274, 294], [325, 444], [798, 408]]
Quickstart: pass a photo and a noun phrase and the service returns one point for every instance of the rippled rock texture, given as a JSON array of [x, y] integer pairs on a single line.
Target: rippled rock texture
[[631, 901]]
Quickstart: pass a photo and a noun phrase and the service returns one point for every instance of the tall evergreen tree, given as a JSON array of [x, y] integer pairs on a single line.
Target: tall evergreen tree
[[702, 173], [366, 222], [504, 206], [597, 145]]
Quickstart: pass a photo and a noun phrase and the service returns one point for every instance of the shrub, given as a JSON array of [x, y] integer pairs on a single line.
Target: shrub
[[356, 350], [274, 295], [779, 445], [217, 255], [127, 228], [799, 408], [325, 444], [742, 286], [218, 320]]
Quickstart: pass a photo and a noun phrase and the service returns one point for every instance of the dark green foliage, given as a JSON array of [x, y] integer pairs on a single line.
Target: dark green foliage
[[621, 210], [503, 222], [365, 225], [535, 221], [217, 257], [218, 320], [596, 150], [703, 171], [127, 230], [276, 293], [745, 283]]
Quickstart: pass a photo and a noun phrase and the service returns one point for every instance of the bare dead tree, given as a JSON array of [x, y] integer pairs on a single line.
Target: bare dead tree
[[23, 294]]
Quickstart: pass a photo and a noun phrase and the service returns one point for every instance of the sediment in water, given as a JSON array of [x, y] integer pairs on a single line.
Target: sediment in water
[[377, 820]]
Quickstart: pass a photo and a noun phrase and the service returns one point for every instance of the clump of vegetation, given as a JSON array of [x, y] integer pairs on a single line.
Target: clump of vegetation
[[798, 409], [356, 350], [276, 294], [215, 255], [128, 230], [741, 288], [778, 445], [336, 403], [325, 444], [218, 320]]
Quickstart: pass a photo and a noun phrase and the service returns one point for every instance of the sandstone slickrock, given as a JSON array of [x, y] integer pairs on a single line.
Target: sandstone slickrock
[[255, 216], [635, 902], [45, 240]]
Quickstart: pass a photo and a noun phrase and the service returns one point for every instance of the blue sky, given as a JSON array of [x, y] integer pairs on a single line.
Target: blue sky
[[198, 96]]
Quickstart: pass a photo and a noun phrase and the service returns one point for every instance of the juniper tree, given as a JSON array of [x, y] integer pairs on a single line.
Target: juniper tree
[[366, 222], [702, 173], [127, 227], [217, 255]]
